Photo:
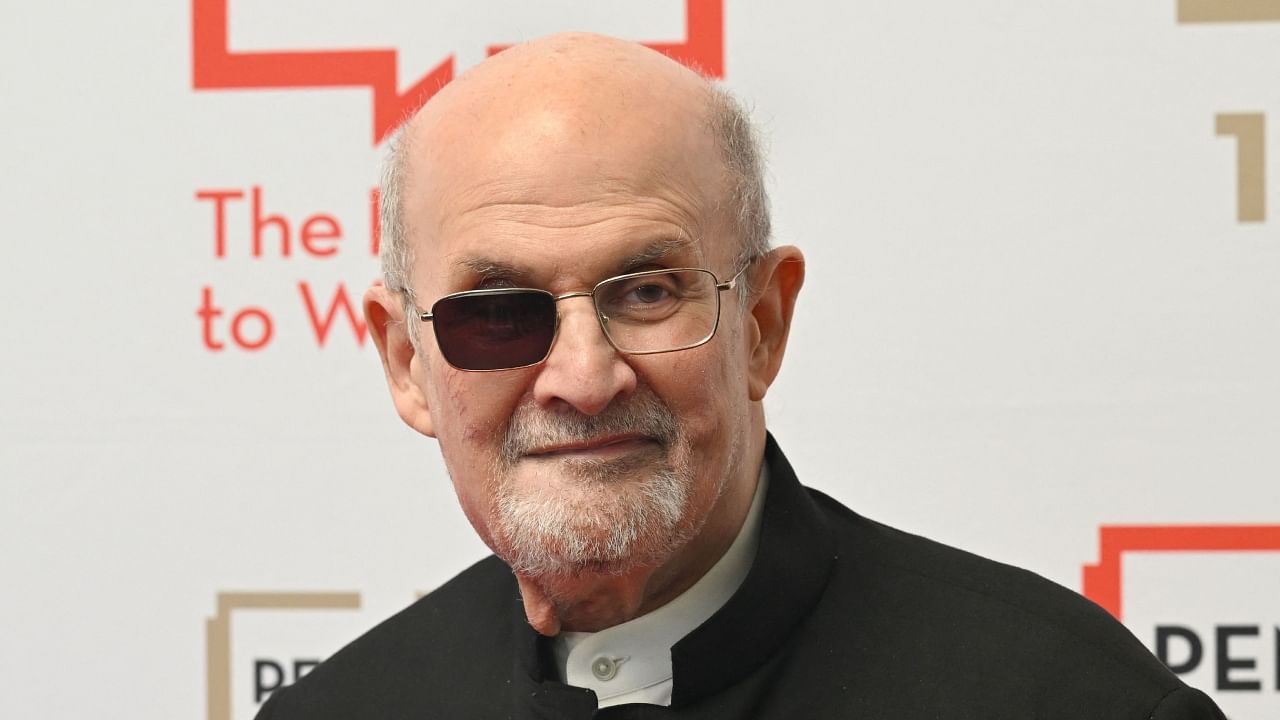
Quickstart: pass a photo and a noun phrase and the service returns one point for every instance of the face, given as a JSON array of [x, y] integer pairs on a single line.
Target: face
[[592, 460]]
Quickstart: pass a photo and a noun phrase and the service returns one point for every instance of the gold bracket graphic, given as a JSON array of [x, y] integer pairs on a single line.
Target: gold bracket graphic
[[218, 634], [1249, 130], [1228, 11]]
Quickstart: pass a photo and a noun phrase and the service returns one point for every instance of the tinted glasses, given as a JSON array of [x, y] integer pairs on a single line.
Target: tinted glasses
[[642, 313]]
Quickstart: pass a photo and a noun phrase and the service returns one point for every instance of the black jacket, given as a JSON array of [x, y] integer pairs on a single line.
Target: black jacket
[[839, 617]]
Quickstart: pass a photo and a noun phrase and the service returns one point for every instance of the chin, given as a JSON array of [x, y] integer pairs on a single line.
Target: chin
[[605, 527]]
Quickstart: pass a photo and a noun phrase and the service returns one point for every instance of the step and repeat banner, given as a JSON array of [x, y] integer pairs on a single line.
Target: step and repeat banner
[[1041, 320]]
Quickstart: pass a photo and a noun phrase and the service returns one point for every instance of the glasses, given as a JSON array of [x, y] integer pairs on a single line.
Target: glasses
[[643, 313]]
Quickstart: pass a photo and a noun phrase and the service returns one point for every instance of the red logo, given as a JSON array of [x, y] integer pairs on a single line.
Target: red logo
[[214, 67], [1103, 583]]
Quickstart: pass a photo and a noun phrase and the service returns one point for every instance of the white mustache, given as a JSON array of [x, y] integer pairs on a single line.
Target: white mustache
[[641, 414]]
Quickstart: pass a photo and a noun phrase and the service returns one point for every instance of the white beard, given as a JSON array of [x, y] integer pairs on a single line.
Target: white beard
[[600, 516]]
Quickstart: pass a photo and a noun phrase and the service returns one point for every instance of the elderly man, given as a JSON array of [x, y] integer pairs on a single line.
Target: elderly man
[[581, 306]]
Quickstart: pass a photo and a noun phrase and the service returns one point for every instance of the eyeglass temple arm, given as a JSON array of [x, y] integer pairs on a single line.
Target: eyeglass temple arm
[[732, 282]]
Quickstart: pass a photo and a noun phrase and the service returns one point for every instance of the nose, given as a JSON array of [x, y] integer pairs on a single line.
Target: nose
[[583, 370]]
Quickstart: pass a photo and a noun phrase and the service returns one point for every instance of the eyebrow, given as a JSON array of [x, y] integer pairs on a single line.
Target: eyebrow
[[660, 249], [488, 268], [485, 267]]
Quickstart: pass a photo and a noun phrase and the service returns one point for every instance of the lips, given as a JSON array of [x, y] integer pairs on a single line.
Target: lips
[[608, 444]]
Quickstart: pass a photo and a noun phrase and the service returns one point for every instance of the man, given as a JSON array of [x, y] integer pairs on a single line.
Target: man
[[581, 307]]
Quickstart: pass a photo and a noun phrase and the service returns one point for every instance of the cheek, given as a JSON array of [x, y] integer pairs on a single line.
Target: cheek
[[472, 409], [471, 412], [703, 389]]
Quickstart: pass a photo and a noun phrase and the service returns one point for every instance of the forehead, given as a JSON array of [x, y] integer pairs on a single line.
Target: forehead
[[575, 242], [571, 182], [559, 234]]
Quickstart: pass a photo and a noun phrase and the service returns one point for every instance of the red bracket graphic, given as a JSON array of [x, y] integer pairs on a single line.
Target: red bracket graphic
[[1103, 583], [215, 67]]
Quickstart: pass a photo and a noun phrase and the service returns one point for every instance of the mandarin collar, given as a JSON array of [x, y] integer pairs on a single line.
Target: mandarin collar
[[638, 652], [793, 560]]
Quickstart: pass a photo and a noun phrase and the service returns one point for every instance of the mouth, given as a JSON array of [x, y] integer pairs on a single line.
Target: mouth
[[603, 447]]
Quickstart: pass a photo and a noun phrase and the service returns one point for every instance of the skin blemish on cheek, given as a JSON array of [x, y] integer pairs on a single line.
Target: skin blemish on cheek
[[482, 403], [457, 394]]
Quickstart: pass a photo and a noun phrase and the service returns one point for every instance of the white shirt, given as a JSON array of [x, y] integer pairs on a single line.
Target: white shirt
[[631, 662]]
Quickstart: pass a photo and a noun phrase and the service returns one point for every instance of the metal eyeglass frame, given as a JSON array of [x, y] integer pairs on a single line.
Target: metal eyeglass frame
[[601, 319]]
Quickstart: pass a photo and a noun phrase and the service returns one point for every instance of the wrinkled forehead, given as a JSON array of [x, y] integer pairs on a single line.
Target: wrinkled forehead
[[625, 153]]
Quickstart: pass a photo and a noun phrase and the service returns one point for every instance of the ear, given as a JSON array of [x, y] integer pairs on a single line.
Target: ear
[[777, 282], [385, 317]]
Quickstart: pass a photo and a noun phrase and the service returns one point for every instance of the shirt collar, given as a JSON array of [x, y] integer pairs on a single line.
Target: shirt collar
[[633, 659]]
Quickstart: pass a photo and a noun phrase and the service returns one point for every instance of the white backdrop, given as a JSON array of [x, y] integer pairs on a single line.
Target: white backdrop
[[1040, 301]]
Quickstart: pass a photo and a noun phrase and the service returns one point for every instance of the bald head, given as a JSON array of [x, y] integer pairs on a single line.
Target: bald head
[[588, 82], [553, 120]]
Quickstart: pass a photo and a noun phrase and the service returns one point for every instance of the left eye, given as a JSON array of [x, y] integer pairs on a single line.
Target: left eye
[[644, 298], [650, 293]]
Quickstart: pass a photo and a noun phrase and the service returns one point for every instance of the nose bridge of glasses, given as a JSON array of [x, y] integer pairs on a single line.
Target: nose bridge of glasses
[[577, 293], [588, 294], [601, 320]]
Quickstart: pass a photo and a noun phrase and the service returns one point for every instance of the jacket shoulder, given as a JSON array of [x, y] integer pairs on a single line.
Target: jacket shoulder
[[965, 620], [427, 656]]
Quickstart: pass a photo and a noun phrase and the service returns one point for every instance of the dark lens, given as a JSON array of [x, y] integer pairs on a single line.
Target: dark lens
[[494, 331]]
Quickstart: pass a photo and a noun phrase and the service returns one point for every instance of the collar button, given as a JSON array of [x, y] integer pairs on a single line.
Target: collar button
[[604, 668]]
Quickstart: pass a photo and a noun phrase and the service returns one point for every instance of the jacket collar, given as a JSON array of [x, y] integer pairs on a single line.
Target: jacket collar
[[791, 567]]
